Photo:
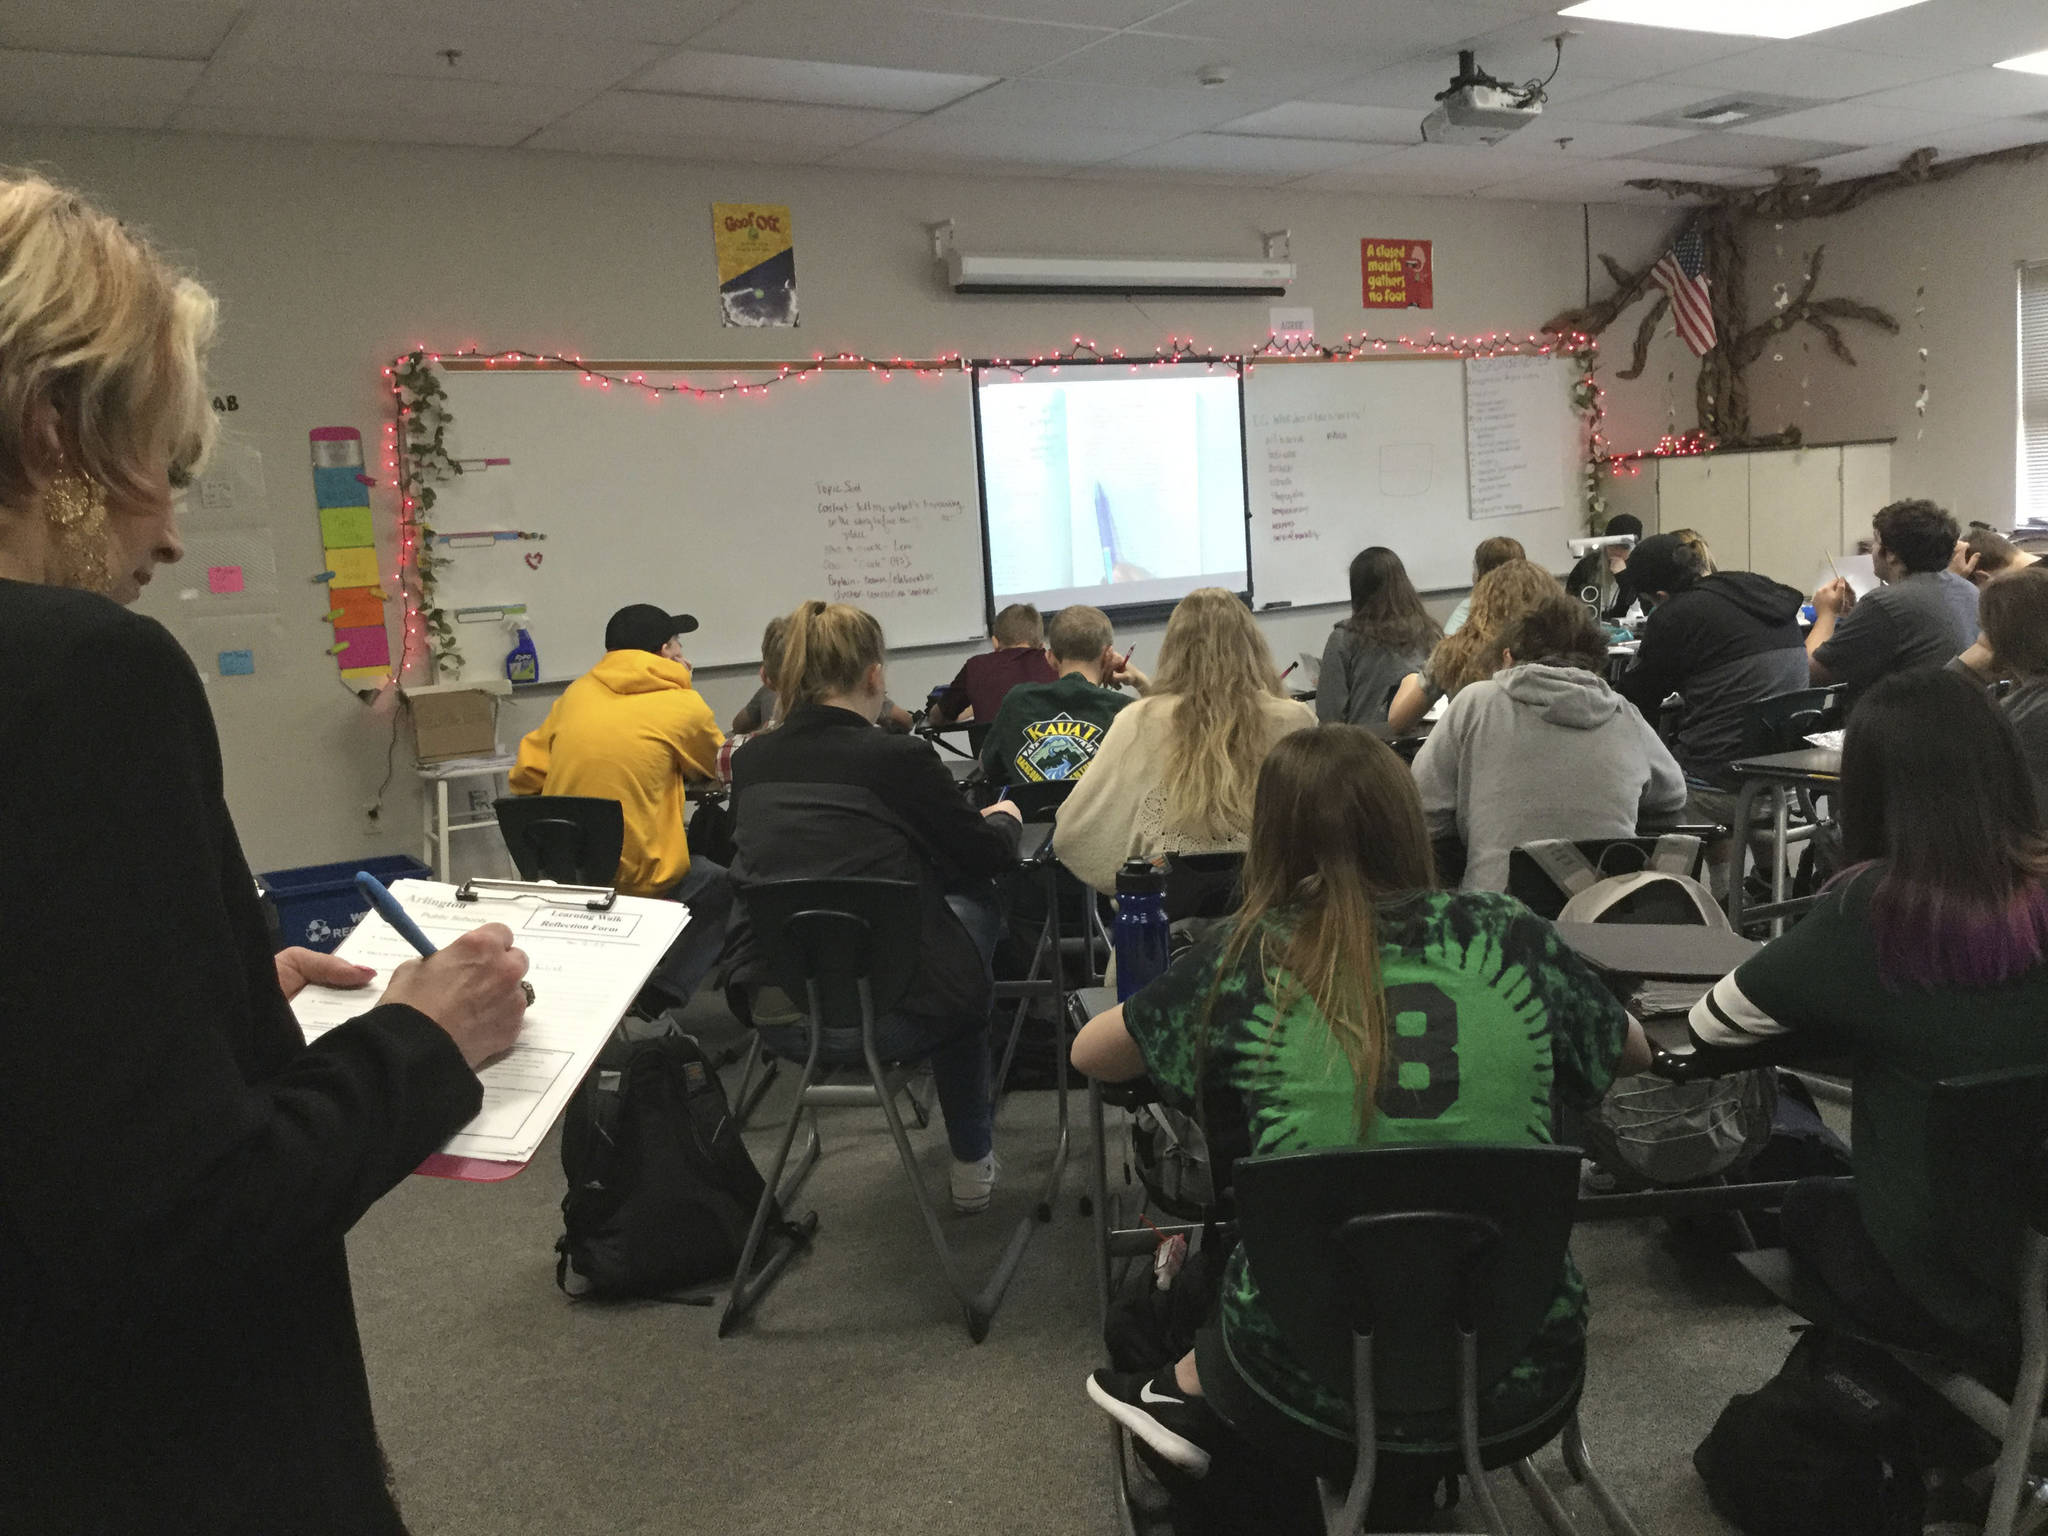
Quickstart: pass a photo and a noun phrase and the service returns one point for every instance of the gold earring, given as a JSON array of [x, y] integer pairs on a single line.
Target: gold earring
[[75, 508]]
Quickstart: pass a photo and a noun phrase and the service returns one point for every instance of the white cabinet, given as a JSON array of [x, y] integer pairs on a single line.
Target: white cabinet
[[1780, 511]]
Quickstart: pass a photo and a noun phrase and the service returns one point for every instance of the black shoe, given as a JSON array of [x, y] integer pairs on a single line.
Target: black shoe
[[1156, 1410]]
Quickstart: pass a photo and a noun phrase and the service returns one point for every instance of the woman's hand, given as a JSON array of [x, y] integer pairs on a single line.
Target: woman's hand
[[471, 989], [299, 968]]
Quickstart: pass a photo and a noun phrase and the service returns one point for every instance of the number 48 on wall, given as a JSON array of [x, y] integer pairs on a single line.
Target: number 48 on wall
[[226, 403]]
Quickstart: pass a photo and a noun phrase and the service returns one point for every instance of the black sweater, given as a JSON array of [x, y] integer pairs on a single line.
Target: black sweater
[[826, 795], [178, 1348]]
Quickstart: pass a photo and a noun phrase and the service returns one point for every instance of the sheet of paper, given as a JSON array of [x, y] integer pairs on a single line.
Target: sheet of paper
[[1858, 570], [587, 967], [1827, 741]]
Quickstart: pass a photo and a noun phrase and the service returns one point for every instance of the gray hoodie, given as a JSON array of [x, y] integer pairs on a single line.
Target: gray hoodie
[[1541, 751]]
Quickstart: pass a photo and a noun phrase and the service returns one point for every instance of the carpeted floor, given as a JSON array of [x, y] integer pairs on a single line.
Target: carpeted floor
[[854, 1401]]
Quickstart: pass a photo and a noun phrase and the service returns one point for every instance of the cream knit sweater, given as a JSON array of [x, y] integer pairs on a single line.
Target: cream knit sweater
[[1118, 810]]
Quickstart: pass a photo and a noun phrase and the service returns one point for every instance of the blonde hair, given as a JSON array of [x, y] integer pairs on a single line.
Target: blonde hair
[[1499, 597], [1079, 633], [1689, 539], [827, 649], [96, 326], [1215, 663]]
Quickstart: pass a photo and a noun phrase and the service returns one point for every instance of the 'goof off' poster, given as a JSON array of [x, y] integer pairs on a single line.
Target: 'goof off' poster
[[756, 263]]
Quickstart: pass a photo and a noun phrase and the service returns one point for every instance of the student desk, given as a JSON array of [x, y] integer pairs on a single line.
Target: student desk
[[1780, 774]]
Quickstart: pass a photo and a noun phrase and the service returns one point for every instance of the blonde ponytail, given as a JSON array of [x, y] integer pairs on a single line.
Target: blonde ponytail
[[826, 650]]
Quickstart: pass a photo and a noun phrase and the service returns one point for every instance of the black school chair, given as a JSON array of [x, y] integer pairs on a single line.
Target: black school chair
[[572, 839], [1987, 1141], [849, 949], [1409, 1281]]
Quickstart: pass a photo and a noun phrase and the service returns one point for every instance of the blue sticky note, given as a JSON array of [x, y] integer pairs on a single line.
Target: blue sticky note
[[339, 486], [237, 663]]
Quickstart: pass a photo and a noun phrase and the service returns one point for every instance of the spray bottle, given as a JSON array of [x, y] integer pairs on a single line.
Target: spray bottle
[[522, 662]]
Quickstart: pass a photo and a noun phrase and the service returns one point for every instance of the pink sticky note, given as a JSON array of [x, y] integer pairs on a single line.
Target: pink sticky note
[[222, 579], [364, 646]]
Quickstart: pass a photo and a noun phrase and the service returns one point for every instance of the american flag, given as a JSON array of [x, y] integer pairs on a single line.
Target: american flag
[[1682, 275]]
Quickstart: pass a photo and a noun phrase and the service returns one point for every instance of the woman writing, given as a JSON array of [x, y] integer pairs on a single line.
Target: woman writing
[[178, 1348], [1175, 773], [1388, 636], [1926, 959], [1501, 596], [1340, 931]]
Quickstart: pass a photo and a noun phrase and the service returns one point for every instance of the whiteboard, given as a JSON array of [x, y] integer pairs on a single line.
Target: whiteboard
[[1516, 460], [844, 486], [1342, 455]]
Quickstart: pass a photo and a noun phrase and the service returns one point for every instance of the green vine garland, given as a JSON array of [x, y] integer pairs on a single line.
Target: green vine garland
[[1589, 400], [424, 462]]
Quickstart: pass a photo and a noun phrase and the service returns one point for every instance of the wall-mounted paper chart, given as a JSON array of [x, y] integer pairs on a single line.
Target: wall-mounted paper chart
[[1517, 459]]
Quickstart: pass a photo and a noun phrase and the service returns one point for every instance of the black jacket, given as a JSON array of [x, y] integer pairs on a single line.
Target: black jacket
[[826, 795], [178, 1348], [1724, 642]]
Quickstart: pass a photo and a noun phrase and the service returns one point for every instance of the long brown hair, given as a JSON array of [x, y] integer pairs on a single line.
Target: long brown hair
[[827, 649], [1337, 829], [1216, 666], [1384, 607], [1500, 596]]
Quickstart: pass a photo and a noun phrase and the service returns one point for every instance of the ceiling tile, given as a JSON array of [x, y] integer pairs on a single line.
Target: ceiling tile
[[1089, 13], [1636, 103], [668, 22], [160, 29], [1332, 120], [1370, 33], [1003, 139], [1757, 151], [1025, 104], [1972, 93], [678, 125], [1586, 141], [1981, 138], [1244, 154], [942, 162], [346, 121], [64, 90], [1418, 169], [390, 37], [893, 36], [742, 77], [1853, 123], [1810, 71], [1611, 49], [1966, 31], [1166, 61], [254, 93]]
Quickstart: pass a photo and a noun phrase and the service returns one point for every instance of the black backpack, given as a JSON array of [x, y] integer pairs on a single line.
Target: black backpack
[[1827, 1447], [661, 1188]]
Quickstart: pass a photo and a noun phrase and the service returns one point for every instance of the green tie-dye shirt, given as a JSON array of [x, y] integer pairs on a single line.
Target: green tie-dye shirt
[[1496, 1026]]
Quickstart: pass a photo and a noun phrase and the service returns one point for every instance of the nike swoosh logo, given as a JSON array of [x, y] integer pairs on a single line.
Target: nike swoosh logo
[[1147, 1395]]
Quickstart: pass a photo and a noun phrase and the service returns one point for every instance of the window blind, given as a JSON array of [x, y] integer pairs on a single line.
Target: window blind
[[2033, 447]]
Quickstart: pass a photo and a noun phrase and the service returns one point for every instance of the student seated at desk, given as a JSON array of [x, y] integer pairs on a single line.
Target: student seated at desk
[[1543, 748], [1923, 616], [758, 713], [634, 729], [1048, 731], [1490, 555], [1175, 773], [1388, 636], [1016, 654], [2014, 645], [1600, 580], [1927, 958], [1340, 932], [824, 796], [1503, 594], [1983, 553]]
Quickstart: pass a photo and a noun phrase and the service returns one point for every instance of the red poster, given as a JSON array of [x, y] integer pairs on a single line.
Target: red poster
[[1398, 274]]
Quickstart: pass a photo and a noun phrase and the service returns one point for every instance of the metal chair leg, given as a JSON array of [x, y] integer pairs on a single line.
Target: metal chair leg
[[1468, 1434], [752, 1092], [1573, 1443], [748, 1287]]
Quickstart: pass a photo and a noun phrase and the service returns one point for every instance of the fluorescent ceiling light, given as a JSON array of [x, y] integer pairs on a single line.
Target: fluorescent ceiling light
[[1742, 18], [2032, 63]]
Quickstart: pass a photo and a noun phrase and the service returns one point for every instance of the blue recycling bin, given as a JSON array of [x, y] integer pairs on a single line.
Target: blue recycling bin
[[319, 906]]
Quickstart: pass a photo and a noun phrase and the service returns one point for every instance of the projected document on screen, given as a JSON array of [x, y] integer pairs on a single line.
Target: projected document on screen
[[1105, 486]]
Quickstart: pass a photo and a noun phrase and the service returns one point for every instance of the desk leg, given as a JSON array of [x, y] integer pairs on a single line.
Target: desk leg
[[441, 828], [1738, 860], [1780, 826]]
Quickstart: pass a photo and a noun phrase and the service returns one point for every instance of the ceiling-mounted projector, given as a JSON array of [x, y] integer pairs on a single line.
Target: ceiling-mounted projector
[[1478, 109]]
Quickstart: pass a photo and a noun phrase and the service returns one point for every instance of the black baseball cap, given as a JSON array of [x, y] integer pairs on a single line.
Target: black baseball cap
[[644, 627]]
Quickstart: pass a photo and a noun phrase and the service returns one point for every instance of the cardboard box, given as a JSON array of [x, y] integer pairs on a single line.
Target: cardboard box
[[451, 720]]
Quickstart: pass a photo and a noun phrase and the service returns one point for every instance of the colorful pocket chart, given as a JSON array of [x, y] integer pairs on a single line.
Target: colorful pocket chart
[[341, 491]]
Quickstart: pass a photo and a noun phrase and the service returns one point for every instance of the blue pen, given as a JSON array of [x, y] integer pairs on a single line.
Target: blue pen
[[388, 908]]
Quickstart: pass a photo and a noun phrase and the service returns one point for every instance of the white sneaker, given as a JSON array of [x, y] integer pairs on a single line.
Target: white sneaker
[[974, 1184]]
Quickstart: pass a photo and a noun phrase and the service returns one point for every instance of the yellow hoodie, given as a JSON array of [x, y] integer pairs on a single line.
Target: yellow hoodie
[[631, 729]]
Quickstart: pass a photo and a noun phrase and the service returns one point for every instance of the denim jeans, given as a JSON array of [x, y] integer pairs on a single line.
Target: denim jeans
[[957, 1049], [706, 889]]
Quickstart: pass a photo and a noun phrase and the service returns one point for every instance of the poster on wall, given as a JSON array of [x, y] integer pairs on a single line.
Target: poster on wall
[[1399, 274], [756, 263]]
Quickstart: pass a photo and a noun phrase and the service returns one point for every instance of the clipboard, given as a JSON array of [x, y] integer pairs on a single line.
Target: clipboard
[[591, 952]]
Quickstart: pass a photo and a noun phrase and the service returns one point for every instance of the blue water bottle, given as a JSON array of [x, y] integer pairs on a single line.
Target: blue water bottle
[[1140, 926]]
